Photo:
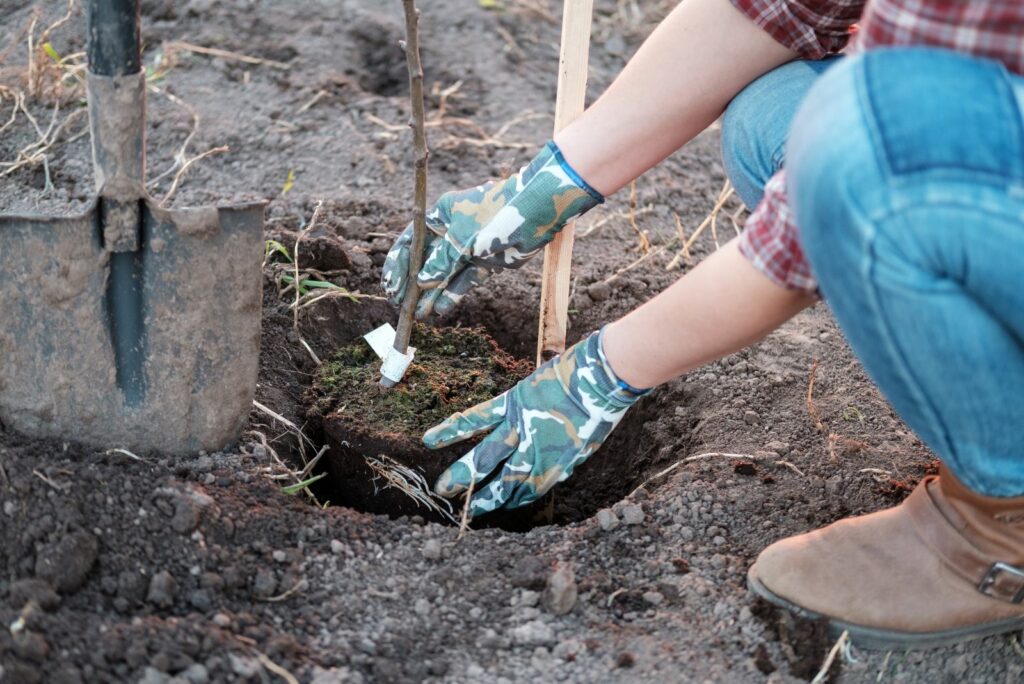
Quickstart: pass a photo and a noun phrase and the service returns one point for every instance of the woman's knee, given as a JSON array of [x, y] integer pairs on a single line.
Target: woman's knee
[[756, 123], [877, 130]]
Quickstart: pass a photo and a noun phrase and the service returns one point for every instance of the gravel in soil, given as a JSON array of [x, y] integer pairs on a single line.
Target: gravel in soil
[[143, 568]]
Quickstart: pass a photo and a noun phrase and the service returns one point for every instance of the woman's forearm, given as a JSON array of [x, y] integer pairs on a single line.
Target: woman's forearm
[[677, 83], [722, 305]]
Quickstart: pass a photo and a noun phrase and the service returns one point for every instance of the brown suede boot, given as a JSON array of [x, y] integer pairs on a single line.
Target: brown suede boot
[[946, 565]]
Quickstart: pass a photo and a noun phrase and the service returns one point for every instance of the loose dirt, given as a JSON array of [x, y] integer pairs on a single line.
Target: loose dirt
[[143, 568]]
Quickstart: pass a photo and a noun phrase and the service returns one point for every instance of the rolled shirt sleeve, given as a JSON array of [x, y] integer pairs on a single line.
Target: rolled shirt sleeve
[[812, 28], [771, 242]]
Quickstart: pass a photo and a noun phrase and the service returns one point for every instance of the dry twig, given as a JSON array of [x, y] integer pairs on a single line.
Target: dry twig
[[299, 586], [223, 54], [464, 521], [295, 257], [710, 220], [185, 167], [827, 665], [284, 674], [645, 243]]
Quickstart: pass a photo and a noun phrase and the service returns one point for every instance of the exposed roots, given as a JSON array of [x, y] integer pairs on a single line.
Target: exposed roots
[[409, 482]]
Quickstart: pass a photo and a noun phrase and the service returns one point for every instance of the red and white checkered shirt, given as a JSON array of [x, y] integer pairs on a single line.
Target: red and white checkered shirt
[[816, 28]]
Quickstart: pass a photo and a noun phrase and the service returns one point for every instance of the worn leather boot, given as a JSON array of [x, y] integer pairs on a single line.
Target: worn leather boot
[[944, 566]]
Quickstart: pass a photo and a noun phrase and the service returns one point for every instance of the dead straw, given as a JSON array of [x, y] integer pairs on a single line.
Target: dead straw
[[839, 646], [223, 54], [710, 220], [295, 258]]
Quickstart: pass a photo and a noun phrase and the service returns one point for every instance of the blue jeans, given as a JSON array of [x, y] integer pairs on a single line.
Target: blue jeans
[[905, 172]]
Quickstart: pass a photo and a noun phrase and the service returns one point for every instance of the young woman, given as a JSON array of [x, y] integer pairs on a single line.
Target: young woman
[[889, 182]]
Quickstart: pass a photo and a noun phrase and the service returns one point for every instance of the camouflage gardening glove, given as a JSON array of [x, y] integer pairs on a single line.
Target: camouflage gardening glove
[[540, 430], [497, 225]]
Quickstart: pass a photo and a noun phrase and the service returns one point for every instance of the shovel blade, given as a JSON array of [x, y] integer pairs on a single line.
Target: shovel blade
[[186, 378]]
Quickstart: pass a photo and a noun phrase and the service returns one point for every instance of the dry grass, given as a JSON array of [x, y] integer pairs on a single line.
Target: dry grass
[[839, 647], [711, 220], [835, 444]]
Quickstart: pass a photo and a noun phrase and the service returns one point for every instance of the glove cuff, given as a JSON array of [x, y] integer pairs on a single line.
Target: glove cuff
[[576, 178], [615, 389]]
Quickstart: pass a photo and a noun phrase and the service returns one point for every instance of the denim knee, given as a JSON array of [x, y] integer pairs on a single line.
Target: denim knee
[[831, 170], [756, 123]]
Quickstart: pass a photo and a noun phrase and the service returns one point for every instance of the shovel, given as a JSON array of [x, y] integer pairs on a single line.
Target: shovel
[[130, 325]]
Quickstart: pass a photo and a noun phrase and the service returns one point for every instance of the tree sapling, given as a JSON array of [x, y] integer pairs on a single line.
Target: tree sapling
[[412, 59]]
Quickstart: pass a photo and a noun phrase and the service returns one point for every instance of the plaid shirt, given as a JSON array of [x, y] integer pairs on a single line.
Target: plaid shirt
[[816, 28]]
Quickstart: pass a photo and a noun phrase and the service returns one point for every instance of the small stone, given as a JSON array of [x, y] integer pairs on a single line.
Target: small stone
[[632, 514], [200, 600], [187, 514], [681, 565], [243, 666], [151, 675], [341, 675], [31, 646], [10, 508], [196, 673], [280, 556], [265, 583], [561, 593], [607, 520], [30, 589], [751, 417], [529, 598], [203, 464], [337, 548], [432, 549], [744, 467], [625, 659], [535, 633], [66, 564], [567, 650], [655, 598], [221, 620], [162, 590], [599, 291], [529, 572], [422, 606]]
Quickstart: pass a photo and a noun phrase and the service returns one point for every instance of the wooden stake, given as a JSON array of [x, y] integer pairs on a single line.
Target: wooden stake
[[418, 125], [569, 104]]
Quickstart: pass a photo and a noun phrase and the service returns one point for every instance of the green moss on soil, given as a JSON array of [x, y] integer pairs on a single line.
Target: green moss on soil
[[454, 369]]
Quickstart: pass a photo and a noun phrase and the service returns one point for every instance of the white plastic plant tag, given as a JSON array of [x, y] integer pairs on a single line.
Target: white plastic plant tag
[[382, 341]]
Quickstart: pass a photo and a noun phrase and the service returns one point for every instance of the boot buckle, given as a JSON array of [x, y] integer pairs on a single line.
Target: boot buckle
[[1003, 581]]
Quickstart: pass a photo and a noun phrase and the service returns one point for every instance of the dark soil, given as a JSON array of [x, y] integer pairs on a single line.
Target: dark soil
[[200, 569]]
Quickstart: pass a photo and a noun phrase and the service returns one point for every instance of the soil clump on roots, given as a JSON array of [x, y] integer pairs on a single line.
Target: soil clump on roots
[[377, 461]]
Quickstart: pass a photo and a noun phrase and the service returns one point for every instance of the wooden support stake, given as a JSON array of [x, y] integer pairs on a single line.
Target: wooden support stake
[[569, 104]]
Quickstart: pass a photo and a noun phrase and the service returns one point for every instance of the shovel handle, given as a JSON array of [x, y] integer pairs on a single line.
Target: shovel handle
[[114, 37], [116, 87]]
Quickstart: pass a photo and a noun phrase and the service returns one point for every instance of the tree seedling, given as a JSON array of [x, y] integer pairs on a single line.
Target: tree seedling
[[398, 360]]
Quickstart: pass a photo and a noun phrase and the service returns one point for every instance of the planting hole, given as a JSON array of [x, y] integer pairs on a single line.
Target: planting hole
[[376, 462]]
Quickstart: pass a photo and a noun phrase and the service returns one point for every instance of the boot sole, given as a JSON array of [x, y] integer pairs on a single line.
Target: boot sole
[[873, 639]]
